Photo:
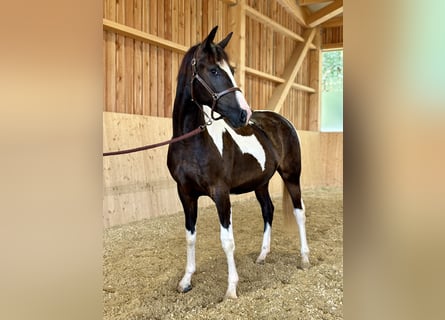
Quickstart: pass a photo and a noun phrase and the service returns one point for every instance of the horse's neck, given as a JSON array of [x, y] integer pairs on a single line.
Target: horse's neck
[[186, 115]]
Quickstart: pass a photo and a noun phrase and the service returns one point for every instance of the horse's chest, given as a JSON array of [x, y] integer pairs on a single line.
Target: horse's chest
[[228, 142]]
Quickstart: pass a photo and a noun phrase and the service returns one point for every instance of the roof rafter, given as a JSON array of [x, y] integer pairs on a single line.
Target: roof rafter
[[326, 13]]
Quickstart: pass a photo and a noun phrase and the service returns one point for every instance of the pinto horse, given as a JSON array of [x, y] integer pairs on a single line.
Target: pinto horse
[[238, 152]]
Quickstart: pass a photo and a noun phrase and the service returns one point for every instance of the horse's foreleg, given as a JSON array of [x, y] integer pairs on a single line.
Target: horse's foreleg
[[185, 284], [227, 242], [190, 211]]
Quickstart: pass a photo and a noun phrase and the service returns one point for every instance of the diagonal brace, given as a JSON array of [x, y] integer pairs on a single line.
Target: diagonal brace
[[296, 60]]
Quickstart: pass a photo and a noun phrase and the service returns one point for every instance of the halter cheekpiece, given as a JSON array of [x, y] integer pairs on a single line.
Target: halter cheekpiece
[[215, 95]]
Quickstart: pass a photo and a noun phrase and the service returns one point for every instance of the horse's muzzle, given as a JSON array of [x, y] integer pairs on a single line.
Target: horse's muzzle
[[245, 116]]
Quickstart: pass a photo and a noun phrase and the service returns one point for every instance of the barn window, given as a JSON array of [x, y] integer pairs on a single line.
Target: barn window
[[332, 91]]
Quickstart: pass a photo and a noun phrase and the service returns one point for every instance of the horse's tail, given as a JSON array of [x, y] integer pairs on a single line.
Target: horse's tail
[[288, 210]]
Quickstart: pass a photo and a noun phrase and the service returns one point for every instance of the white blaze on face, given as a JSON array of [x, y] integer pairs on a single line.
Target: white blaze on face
[[247, 144], [239, 95]]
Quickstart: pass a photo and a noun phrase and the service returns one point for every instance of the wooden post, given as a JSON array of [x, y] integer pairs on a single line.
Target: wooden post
[[290, 72], [315, 76], [237, 45]]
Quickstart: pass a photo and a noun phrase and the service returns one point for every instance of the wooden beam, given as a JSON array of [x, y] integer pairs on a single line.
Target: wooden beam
[[230, 2], [308, 2], [264, 75], [251, 12], [332, 46], [296, 11], [326, 13], [332, 23], [280, 92], [302, 87], [273, 78], [142, 36]]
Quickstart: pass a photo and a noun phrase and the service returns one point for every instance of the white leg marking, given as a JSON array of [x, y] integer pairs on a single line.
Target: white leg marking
[[228, 244], [247, 144], [301, 221], [265, 247], [239, 95], [185, 283]]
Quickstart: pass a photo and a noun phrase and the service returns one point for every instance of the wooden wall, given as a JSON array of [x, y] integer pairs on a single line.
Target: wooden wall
[[139, 186], [140, 76]]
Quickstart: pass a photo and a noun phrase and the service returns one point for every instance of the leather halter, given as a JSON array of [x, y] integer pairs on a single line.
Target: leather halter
[[215, 95]]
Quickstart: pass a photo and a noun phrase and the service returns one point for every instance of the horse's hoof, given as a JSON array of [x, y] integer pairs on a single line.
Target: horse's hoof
[[230, 295], [305, 265], [260, 261], [184, 290]]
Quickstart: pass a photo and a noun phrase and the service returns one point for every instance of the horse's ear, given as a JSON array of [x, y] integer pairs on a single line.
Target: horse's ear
[[225, 41], [208, 41]]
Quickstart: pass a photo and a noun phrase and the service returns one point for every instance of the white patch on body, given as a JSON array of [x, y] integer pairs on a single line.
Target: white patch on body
[[239, 95], [228, 244], [247, 144]]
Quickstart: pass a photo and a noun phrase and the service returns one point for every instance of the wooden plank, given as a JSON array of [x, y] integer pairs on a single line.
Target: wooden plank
[[145, 60], [120, 60], [326, 13], [237, 46], [280, 92], [153, 28], [137, 73], [185, 18], [314, 81], [199, 34], [129, 59], [143, 36], [110, 61], [160, 63], [175, 38], [168, 83]]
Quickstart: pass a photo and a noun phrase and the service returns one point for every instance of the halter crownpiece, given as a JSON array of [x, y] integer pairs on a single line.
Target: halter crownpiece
[[215, 95]]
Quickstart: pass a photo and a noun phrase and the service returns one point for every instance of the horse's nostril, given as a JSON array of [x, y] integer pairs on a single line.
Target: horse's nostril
[[243, 116]]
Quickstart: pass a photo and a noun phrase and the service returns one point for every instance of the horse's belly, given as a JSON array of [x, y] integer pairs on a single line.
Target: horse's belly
[[249, 180]]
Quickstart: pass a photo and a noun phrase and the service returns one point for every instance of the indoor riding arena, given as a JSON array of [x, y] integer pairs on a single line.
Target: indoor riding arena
[[277, 51]]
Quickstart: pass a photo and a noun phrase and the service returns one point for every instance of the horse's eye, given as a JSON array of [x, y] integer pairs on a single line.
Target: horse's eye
[[214, 71]]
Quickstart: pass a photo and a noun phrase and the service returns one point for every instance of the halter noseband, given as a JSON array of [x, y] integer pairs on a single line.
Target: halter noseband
[[215, 95]]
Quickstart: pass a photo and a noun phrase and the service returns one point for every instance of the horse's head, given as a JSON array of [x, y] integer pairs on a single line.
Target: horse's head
[[213, 83]]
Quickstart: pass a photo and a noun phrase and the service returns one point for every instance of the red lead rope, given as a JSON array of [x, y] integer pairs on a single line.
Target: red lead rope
[[151, 146]]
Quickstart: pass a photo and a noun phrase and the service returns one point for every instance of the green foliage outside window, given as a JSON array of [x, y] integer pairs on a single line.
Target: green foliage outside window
[[332, 91]]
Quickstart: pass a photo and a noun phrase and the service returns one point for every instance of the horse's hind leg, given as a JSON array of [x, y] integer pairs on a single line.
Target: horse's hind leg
[[267, 209], [190, 204], [293, 186]]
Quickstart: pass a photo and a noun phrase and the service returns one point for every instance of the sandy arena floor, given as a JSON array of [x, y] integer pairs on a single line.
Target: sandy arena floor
[[144, 261]]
